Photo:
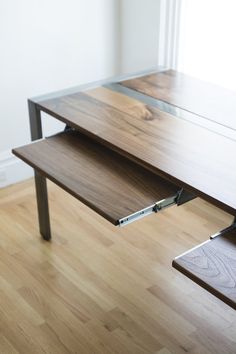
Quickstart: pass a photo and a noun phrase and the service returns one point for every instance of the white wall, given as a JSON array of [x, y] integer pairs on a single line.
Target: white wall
[[47, 45], [139, 34]]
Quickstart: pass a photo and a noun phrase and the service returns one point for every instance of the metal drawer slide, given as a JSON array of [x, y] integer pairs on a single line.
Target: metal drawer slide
[[154, 208]]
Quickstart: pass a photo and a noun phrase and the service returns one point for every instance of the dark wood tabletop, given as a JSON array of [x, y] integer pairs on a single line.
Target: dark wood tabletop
[[194, 156]]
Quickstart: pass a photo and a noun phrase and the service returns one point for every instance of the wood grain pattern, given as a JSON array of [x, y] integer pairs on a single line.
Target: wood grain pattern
[[202, 98], [183, 153], [96, 289], [213, 266], [108, 183]]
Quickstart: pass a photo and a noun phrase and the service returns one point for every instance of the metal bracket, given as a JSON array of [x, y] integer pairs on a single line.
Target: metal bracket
[[180, 198], [154, 208], [184, 197]]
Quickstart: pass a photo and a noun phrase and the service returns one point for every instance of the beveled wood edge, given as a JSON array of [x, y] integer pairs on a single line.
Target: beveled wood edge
[[95, 84]]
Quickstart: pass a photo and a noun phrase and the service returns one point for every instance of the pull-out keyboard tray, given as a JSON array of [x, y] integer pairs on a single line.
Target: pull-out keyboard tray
[[113, 186], [213, 266]]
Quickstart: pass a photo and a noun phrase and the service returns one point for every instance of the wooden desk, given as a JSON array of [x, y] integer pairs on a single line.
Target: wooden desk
[[189, 155], [135, 145]]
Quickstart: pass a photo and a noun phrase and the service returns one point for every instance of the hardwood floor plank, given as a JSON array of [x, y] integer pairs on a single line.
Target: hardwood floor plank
[[6, 346], [96, 289], [132, 329]]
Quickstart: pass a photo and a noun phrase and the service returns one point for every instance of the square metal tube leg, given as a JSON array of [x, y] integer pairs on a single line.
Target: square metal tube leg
[[40, 181], [42, 204]]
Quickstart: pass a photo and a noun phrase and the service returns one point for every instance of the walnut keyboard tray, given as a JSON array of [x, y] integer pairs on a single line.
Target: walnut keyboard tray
[[116, 188]]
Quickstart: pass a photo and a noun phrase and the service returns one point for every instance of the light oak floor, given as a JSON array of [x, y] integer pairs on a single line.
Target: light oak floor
[[100, 289]]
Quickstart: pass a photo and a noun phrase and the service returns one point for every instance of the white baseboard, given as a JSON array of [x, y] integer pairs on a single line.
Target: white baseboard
[[12, 170]]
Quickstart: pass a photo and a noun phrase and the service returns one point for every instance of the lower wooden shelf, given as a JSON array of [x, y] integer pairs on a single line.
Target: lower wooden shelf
[[212, 265], [110, 184]]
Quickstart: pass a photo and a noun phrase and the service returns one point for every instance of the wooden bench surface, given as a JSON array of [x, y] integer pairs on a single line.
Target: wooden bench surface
[[213, 266], [193, 157], [108, 183]]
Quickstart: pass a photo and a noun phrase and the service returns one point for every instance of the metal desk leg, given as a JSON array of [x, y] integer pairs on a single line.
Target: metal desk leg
[[40, 181]]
